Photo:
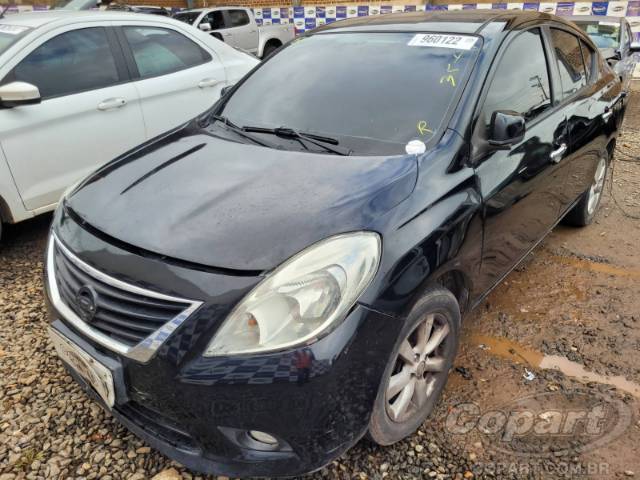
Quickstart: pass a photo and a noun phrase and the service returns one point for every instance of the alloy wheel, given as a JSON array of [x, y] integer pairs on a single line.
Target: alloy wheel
[[595, 192], [421, 363]]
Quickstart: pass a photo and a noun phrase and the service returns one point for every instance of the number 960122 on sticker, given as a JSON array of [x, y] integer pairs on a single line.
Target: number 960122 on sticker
[[459, 42]]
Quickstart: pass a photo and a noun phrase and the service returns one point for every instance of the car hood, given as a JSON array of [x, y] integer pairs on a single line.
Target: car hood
[[198, 198]]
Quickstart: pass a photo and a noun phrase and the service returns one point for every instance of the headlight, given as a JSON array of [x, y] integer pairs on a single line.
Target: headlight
[[302, 298]]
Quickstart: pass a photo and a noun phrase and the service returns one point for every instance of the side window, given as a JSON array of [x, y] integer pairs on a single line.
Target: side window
[[215, 19], [238, 18], [72, 62], [589, 60], [159, 51], [629, 36], [570, 63], [517, 85]]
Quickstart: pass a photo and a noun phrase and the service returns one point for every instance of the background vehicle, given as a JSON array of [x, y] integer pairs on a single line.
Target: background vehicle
[[614, 39], [79, 88], [315, 250], [151, 9], [237, 27]]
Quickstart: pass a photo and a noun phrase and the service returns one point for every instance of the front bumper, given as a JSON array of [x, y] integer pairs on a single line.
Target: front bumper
[[198, 410]]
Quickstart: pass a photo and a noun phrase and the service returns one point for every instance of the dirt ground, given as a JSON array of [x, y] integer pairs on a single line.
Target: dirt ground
[[573, 303]]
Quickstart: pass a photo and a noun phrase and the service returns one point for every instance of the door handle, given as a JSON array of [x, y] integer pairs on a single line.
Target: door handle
[[208, 82], [607, 114], [226, 34], [556, 155], [111, 103]]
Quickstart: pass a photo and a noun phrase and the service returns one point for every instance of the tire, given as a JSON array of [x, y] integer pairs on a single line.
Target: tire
[[583, 213], [389, 424], [268, 50]]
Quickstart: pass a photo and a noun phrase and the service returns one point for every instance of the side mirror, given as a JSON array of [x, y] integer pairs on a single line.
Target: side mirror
[[205, 27], [15, 94], [635, 46], [507, 127]]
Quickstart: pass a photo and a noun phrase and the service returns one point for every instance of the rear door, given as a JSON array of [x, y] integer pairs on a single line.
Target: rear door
[[178, 78], [89, 113], [521, 185], [579, 91], [239, 31], [627, 57]]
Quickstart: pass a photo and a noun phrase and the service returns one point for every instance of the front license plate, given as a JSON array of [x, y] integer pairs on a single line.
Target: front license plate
[[96, 374]]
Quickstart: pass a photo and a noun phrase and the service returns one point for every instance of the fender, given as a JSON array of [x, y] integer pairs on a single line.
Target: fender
[[446, 216], [12, 209]]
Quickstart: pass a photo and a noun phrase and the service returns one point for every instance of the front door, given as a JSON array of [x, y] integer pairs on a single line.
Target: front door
[[522, 184], [89, 113]]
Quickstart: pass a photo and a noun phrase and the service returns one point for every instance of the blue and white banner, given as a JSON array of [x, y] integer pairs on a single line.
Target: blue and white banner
[[309, 17]]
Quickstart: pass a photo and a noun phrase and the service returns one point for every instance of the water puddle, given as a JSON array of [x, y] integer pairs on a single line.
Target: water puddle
[[597, 267], [515, 352]]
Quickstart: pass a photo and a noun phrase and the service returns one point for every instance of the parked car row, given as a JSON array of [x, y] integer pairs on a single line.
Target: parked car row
[[77, 89], [615, 40], [256, 289]]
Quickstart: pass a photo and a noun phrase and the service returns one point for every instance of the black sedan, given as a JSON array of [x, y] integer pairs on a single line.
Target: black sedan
[[255, 291]]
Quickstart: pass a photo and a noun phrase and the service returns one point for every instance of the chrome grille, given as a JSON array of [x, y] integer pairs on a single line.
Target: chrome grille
[[125, 318]]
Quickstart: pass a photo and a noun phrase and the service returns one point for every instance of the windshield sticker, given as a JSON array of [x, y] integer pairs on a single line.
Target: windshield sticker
[[415, 147], [449, 77], [459, 42], [610, 24], [12, 29], [423, 127]]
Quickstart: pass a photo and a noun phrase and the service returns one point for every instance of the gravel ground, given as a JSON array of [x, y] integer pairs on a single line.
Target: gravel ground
[[562, 301]]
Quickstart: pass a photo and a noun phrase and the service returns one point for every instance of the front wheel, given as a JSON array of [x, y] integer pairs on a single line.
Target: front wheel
[[585, 210], [418, 368]]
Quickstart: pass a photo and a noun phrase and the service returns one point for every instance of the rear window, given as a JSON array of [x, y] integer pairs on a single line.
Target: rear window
[[10, 34], [374, 91], [159, 51], [187, 17], [238, 18]]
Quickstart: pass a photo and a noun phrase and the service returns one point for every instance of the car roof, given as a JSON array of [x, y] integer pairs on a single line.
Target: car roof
[[593, 18], [206, 9], [460, 21], [38, 19]]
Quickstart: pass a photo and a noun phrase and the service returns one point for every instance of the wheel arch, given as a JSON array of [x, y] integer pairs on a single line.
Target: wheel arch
[[272, 42], [611, 146], [5, 212]]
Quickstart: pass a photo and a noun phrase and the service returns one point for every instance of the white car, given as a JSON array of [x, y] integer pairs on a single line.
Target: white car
[[77, 89], [237, 26]]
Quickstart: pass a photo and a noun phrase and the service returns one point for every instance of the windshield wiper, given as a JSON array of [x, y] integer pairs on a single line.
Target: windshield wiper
[[241, 131], [317, 140]]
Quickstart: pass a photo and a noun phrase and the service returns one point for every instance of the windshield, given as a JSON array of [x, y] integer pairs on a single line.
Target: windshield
[[603, 34], [374, 92], [9, 34], [187, 17]]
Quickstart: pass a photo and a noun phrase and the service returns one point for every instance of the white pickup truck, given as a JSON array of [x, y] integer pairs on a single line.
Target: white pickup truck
[[237, 27]]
